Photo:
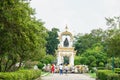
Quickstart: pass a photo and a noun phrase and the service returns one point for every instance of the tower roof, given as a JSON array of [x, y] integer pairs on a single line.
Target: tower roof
[[66, 32]]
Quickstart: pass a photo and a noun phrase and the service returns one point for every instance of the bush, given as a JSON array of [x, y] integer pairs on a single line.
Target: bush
[[101, 64], [48, 59], [108, 66], [40, 65], [93, 69], [93, 64], [20, 75], [77, 60], [100, 68], [84, 60], [107, 75], [117, 70], [30, 64]]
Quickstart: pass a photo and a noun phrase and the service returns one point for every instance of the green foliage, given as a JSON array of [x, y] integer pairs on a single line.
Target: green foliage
[[30, 64], [113, 44], [93, 75], [84, 60], [92, 47], [48, 59], [95, 55], [22, 36], [84, 42], [66, 60], [113, 39], [77, 60], [101, 64], [93, 64], [113, 22], [116, 62], [20, 75], [107, 75], [108, 66], [117, 70], [52, 41], [100, 68], [40, 65]]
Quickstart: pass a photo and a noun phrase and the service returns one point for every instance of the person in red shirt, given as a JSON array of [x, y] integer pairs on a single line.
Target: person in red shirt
[[52, 68]]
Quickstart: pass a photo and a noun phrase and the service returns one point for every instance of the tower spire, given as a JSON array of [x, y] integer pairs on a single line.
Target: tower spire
[[66, 28]]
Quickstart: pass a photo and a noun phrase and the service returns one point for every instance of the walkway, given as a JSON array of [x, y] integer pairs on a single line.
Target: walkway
[[67, 77]]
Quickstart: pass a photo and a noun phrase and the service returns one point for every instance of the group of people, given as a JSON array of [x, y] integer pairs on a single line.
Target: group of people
[[60, 68]]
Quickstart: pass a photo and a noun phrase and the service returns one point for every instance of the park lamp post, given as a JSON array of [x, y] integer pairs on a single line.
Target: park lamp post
[[113, 63]]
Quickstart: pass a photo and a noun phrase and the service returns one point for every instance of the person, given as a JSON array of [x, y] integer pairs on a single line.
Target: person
[[52, 68], [66, 69], [61, 69]]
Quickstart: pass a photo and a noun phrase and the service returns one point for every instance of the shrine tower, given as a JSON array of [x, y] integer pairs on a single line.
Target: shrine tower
[[65, 48]]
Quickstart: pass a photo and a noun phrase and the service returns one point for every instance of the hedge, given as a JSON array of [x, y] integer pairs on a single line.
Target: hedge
[[117, 70], [107, 75], [100, 68], [20, 75]]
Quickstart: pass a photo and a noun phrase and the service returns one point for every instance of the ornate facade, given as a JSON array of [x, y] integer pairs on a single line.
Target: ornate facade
[[65, 48]]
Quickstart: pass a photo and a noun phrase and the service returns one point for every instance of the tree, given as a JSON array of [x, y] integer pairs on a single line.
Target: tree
[[114, 22], [52, 41], [113, 39], [77, 60], [48, 59], [95, 55], [84, 42], [113, 45], [22, 37]]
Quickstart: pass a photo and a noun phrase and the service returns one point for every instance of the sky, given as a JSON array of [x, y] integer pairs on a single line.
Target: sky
[[81, 16]]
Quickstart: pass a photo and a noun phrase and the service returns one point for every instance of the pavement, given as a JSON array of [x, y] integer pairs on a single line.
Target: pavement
[[57, 76]]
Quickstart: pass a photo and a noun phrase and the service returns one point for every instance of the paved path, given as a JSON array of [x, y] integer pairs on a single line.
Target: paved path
[[67, 77]]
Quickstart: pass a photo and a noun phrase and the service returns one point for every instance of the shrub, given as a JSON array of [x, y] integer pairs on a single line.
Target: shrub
[[93, 64], [30, 64], [77, 60], [93, 69], [20, 75], [40, 65], [48, 59], [84, 60], [108, 66], [107, 75], [101, 64], [100, 68], [117, 70]]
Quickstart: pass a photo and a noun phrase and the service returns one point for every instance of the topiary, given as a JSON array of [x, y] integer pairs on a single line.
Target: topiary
[[40, 65]]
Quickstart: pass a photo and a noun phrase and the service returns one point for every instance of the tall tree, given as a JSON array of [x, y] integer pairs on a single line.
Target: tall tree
[[22, 37], [113, 40], [52, 41], [86, 41]]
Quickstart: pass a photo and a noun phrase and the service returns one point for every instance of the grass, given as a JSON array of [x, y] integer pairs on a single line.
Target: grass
[[44, 73], [93, 75]]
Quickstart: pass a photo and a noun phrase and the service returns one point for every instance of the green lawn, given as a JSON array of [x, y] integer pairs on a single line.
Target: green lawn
[[93, 75], [45, 73]]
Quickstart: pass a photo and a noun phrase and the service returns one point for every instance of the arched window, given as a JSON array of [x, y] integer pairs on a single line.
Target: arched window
[[66, 43]]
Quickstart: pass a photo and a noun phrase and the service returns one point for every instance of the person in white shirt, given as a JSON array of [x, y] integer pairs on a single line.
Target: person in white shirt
[[61, 69]]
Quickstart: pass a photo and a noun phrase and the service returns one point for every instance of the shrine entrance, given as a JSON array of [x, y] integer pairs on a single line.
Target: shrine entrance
[[65, 52], [66, 60]]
